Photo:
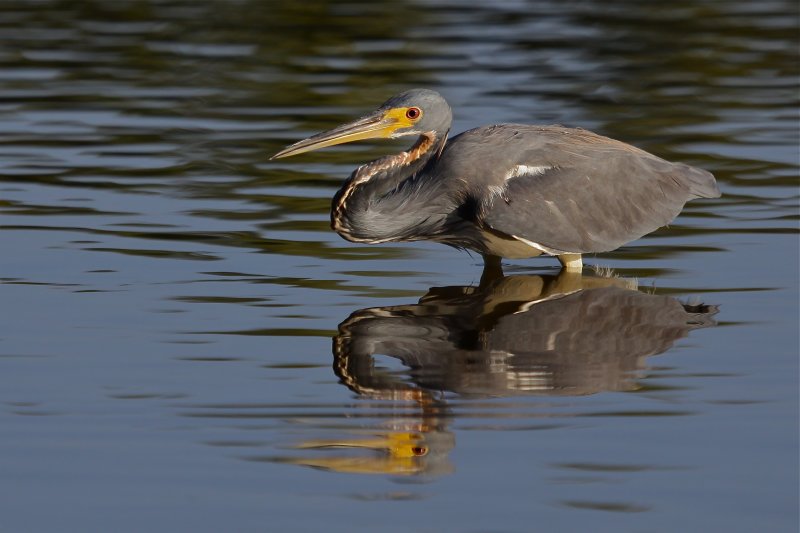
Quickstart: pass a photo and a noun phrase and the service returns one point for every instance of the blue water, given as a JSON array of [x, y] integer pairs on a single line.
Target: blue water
[[185, 345]]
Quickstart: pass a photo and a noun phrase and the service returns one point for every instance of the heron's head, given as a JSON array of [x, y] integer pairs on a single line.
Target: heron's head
[[415, 112]]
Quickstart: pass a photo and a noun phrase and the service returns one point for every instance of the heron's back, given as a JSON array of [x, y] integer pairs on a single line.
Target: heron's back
[[567, 190]]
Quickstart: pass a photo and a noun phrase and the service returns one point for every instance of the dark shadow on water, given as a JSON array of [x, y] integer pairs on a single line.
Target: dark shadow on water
[[544, 335]]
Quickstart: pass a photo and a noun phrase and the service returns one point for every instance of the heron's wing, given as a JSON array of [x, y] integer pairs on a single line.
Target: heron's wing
[[588, 197], [583, 210]]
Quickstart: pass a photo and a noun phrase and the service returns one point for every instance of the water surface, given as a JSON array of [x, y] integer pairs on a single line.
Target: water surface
[[186, 345]]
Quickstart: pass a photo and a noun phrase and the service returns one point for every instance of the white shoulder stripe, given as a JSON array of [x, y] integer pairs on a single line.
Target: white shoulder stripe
[[525, 170]]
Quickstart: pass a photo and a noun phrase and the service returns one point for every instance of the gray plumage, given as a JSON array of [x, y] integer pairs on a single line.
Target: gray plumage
[[507, 190], [592, 194]]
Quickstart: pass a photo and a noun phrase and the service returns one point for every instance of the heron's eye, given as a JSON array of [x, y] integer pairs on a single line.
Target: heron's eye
[[413, 113]]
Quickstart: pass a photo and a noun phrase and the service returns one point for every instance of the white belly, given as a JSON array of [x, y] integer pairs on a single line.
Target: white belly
[[511, 248]]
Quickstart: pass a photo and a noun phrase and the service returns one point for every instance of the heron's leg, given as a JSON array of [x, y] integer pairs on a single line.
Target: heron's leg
[[492, 269], [571, 262]]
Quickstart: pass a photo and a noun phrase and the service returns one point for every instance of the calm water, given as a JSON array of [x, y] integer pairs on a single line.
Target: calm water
[[186, 346]]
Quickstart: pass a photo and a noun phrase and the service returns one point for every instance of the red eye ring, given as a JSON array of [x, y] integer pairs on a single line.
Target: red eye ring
[[413, 113]]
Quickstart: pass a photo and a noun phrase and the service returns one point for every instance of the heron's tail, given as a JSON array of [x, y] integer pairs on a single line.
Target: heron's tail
[[701, 183]]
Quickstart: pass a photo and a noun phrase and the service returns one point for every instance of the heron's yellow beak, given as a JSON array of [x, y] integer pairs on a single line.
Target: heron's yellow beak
[[379, 125]]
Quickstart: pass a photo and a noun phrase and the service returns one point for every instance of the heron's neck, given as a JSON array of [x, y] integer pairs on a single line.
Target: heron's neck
[[381, 201]]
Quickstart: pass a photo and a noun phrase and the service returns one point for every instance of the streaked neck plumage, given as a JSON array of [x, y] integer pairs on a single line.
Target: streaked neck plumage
[[382, 200]]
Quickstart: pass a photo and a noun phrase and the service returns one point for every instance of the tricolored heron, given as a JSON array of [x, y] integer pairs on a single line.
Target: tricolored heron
[[507, 190]]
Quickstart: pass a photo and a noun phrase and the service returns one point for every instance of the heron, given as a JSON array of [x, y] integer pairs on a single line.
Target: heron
[[506, 190]]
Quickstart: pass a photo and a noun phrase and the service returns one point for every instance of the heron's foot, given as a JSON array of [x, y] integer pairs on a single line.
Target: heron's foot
[[571, 262]]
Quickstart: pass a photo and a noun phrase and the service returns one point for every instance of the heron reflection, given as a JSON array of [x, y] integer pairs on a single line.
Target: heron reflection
[[569, 334]]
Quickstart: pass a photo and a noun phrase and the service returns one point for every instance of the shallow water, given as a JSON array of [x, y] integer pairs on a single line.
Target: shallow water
[[186, 345]]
